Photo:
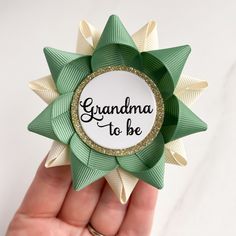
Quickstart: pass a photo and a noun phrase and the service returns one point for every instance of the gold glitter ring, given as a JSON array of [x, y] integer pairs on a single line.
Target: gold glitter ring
[[125, 151]]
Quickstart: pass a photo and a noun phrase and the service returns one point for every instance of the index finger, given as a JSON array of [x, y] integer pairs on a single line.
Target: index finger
[[139, 217]]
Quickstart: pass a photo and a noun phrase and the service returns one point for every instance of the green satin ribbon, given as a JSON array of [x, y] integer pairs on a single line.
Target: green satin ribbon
[[114, 48]]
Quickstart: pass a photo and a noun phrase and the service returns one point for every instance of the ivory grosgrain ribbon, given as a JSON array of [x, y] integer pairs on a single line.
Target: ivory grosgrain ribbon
[[116, 47]]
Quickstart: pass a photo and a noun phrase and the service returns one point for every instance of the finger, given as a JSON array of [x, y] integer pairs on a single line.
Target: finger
[[139, 217], [108, 214], [46, 194], [79, 206]]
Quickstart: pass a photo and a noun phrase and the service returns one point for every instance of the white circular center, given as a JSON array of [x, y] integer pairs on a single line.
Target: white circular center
[[117, 109]]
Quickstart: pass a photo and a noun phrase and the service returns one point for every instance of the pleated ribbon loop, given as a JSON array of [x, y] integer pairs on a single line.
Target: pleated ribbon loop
[[146, 39], [87, 39], [45, 88]]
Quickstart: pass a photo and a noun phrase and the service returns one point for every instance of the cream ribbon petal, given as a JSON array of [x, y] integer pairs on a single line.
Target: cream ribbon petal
[[122, 183], [146, 39], [87, 38], [175, 153], [189, 89], [58, 155], [45, 88]]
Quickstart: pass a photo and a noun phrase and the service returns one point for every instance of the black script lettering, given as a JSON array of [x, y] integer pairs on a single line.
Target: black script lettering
[[89, 115], [130, 130], [112, 130], [147, 109], [97, 112]]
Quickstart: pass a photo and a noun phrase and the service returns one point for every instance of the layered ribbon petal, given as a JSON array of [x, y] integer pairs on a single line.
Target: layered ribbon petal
[[189, 89], [68, 69], [175, 153], [122, 183], [73, 73], [92, 163], [115, 47], [179, 120], [45, 88], [61, 118], [55, 122], [42, 124], [90, 157], [83, 175], [146, 39], [164, 66], [57, 59], [58, 155], [147, 164], [87, 39]]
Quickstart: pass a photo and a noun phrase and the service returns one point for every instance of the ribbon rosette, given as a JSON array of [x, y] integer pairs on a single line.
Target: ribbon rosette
[[115, 47]]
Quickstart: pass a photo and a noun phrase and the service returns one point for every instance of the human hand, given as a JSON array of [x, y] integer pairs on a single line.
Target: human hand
[[51, 207]]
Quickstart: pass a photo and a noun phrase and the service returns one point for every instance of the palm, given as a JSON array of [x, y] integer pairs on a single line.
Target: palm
[[45, 226], [52, 207], [51, 226]]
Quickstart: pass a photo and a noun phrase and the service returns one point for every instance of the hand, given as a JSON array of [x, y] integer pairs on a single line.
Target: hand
[[51, 207]]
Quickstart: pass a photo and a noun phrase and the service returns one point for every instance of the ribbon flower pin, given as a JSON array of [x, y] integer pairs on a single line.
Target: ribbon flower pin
[[118, 107]]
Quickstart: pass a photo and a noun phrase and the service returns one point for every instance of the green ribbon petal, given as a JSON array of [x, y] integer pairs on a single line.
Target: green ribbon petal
[[115, 47], [61, 118], [67, 69], [179, 120], [63, 127], [62, 104], [42, 124], [57, 59], [147, 164], [55, 121], [154, 175], [165, 66], [90, 157], [82, 175], [102, 161], [73, 73]]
